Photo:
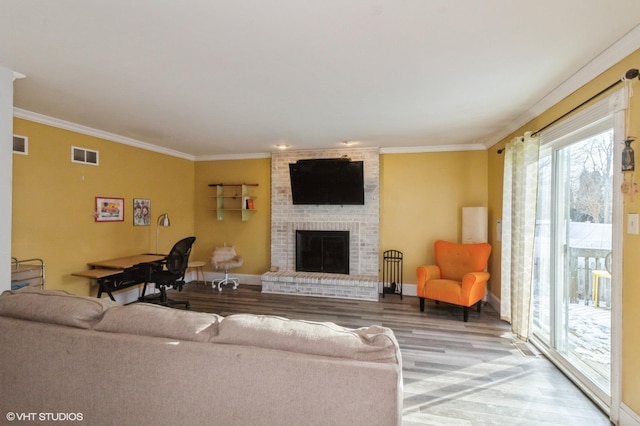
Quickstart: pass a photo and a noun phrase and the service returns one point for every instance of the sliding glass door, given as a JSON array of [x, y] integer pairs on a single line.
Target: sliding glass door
[[572, 301]]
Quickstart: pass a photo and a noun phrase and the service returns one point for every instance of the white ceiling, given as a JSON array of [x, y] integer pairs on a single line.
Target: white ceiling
[[222, 78]]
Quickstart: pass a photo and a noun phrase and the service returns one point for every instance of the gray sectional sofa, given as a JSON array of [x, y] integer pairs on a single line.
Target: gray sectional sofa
[[93, 361]]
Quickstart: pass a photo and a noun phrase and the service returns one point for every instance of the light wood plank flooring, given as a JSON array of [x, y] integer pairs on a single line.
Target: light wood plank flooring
[[455, 373]]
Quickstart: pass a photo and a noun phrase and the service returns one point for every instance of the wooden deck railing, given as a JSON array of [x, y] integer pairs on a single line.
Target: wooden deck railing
[[582, 262]]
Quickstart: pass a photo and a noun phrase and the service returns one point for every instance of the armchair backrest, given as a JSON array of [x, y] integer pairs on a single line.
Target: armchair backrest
[[178, 258], [455, 260]]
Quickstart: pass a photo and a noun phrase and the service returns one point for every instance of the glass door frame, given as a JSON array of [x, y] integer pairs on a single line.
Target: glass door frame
[[609, 404]]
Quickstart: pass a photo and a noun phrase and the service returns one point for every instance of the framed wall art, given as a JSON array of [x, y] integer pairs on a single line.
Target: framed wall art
[[141, 212], [109, 209]]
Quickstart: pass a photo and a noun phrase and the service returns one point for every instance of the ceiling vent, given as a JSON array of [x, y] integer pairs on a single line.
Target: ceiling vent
[[84, 156], [20, 145]]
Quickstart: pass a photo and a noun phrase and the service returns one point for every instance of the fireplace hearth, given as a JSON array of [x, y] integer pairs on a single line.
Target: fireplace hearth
[[322, 251]]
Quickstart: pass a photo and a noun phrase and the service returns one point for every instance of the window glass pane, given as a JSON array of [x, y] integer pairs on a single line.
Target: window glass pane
[[92, 157], [78, 154], [19, 144]]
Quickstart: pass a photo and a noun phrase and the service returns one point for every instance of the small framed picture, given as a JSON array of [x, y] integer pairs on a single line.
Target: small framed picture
[[109, 209], [141, 212]]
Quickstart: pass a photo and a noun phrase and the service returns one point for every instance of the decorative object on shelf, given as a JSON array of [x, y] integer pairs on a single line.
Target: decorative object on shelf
[[163, 220], [249, 203], [141, 212], [109, 209], [628, 160]]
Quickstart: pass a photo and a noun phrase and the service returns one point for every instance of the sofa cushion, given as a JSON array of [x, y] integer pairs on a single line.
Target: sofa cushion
[[53, 306], [374, 343], [145, 319]]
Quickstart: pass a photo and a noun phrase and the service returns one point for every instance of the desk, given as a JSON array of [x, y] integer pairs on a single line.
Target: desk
[[119, 273], [127, 261]]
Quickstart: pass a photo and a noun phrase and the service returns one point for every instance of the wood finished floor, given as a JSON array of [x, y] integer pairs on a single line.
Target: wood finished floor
[[455, 373]]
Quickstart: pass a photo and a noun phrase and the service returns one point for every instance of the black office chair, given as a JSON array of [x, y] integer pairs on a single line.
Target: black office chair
[[169, 272]]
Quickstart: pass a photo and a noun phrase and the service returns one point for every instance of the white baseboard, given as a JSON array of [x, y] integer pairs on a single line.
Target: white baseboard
[[494, 302], [628, 417], [409, 290]]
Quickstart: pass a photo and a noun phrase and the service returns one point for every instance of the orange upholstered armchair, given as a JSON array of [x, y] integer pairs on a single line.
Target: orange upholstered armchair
[[458, 277]]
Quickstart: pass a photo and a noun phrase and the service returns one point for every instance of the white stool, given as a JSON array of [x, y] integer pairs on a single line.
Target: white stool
[[198, 265]]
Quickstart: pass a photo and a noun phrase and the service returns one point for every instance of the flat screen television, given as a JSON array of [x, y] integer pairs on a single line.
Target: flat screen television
[[338, 181]]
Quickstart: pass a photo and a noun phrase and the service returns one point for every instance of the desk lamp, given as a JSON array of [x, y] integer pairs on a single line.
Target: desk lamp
[[163, 220]]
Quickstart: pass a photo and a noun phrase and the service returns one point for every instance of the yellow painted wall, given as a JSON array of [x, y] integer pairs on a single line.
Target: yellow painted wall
[[421, 200], [53, 202], [252, 238], [631, 243]]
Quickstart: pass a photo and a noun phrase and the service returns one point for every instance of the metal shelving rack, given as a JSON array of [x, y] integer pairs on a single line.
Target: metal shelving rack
[[27, 272]]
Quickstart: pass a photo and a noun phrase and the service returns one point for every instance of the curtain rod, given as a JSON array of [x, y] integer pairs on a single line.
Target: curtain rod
[[629, 75]]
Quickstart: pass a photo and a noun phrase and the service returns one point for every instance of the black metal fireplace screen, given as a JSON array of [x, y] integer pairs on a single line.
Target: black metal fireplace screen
[[322, 251]]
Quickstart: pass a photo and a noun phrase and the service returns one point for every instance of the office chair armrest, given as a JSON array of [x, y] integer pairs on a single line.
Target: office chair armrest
[[156, 266]]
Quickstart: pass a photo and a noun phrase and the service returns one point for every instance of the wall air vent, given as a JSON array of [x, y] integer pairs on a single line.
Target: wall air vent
[[20, 145], [84, 156]]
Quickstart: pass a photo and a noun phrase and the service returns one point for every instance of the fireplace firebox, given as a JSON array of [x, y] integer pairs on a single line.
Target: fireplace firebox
[[322, 251]]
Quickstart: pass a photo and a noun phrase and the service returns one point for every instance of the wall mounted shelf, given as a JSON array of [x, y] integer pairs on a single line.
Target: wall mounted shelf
[[234, 197]]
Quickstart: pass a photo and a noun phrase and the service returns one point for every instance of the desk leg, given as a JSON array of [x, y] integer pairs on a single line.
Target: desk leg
[[144, 291], [101, 289], [108, 293]]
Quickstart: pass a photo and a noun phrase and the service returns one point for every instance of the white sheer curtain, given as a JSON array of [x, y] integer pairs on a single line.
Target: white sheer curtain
[[518, 229]]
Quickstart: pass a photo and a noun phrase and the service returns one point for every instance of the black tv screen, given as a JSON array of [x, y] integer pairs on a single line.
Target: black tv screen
[[337, 181]]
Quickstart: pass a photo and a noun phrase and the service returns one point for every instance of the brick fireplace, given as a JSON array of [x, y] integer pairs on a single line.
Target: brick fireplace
[[361, 222]]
